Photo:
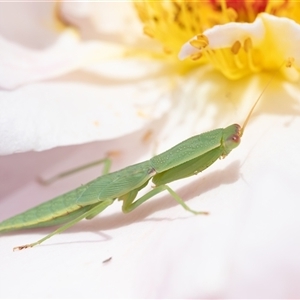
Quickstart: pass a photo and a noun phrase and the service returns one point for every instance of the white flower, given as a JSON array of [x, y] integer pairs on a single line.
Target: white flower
[[248, 246]]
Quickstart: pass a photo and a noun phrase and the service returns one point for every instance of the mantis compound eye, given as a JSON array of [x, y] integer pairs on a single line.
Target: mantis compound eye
[[236, 138]]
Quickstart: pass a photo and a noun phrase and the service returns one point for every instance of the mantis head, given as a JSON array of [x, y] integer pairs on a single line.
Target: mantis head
[[231, 138]]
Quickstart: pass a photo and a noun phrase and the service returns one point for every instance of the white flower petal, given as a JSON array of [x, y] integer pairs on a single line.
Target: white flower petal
[[28, 23], [159, 250], [282, 35], [19, 65], [223, 36], [105, 19], [251, 234], [43, 116]]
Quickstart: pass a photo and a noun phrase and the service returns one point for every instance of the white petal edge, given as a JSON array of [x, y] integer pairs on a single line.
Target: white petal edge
[[20, 65], [283, 32], [46, 115], [106, 18]]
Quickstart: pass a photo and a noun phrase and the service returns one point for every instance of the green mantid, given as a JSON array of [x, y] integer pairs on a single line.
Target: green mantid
[[185, 159]]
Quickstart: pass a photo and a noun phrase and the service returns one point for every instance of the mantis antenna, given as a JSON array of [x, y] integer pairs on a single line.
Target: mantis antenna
[[288, 64]]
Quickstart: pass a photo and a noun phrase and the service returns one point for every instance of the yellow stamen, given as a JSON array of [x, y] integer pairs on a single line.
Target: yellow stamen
[[198, 44], [196, 56], [236, 47], [247, 44]]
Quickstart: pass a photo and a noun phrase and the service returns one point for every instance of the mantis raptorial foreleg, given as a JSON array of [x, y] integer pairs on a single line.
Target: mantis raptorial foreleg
[[130, 206]]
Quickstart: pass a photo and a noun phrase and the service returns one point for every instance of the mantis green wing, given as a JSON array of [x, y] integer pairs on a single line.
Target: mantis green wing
[[68, 206]]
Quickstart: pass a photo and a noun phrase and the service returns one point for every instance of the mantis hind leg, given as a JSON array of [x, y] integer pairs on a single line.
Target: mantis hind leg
[[105, 161], [129, 206], [95, 209]]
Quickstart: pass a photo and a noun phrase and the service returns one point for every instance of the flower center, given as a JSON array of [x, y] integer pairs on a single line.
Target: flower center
[[173, 23]]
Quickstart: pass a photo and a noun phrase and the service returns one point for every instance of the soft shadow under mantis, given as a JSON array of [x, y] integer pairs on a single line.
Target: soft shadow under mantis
[[215, 179]]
